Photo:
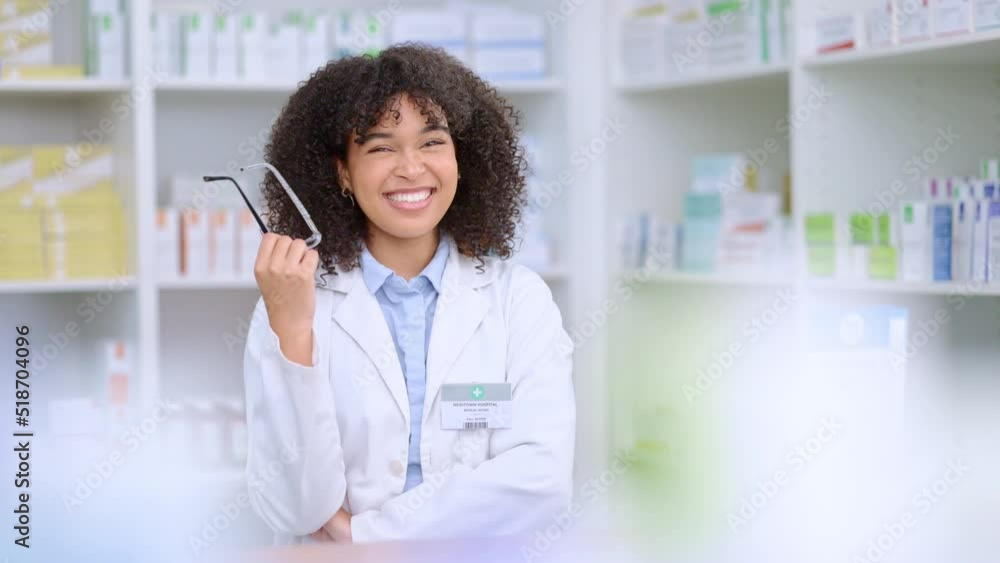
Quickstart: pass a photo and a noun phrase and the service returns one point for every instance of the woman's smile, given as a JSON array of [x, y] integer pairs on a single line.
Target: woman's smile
[[411, 199]]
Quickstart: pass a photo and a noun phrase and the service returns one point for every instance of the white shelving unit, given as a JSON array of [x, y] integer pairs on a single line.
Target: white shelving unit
[[885, 107]]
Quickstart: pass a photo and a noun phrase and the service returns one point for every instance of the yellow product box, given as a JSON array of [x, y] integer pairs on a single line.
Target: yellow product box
[[41, 72], [61, 169], [21, 245], [16, 168]]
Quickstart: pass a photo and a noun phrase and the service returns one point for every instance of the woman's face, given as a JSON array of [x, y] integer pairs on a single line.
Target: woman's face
[[403, 174]]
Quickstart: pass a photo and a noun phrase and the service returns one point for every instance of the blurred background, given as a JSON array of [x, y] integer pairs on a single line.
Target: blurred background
[[772, 228]]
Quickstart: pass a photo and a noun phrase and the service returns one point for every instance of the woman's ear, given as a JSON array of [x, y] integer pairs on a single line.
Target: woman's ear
[[343, 173]]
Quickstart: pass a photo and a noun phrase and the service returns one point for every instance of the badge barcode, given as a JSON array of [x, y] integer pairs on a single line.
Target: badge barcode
[[475, 425]]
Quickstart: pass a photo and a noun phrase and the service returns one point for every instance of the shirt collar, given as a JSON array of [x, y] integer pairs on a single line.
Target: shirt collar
[[376, 274]]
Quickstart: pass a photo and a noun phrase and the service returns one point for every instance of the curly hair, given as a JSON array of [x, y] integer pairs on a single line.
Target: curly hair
[[354, 95]]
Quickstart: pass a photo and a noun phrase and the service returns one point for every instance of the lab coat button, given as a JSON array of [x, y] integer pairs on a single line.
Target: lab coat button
[[397, 467]]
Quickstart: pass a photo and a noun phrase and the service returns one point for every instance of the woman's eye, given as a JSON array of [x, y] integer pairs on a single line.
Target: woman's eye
[[433, 142], [379, 149]]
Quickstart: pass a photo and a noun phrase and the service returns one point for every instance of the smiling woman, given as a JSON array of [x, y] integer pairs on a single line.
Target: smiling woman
[[400, 373], [411, 120]]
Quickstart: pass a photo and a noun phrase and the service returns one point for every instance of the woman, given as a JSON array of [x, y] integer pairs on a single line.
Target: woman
[[415, 385]]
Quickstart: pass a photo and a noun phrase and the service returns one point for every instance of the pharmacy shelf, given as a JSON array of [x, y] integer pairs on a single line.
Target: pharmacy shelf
[[193, 284], [968, 289], [552, 275], [712, 279], [188, 86], [714, 77], [67, 286], [66, 87], [972, 49]]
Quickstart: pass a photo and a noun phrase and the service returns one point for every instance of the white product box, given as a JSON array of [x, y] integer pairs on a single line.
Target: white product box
[[993, 243], [663, 245], [253, 41], [195, 244], [505, 28], [359, 32], [283, 48], [980, 240], [248, 242], [196, 45], [951, 17], [643, 48], [836, 33], [508, 45], [986, 14], [509, 63], [223, 242], [880, 26], [962, 224], [116, 369], [225, 47], [106, 45], [316, 49], [740, 41], [165, 28], [911, 20], [446, 30], [915, 241], [168, 243]]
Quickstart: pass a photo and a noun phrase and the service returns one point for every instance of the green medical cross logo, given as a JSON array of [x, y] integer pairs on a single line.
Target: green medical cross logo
[[478, 392]]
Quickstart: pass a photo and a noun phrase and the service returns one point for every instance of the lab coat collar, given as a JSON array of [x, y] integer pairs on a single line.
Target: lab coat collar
[[459, 311], [460, 271]]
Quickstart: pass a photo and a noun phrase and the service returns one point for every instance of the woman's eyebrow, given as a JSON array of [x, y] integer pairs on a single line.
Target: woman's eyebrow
[[362, 139]]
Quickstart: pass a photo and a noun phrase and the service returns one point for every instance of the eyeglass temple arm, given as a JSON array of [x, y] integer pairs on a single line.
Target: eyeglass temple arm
[[263, 227], [316, 237]]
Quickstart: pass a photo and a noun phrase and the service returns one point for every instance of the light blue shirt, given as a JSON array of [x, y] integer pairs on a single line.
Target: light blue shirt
[[408, 308]]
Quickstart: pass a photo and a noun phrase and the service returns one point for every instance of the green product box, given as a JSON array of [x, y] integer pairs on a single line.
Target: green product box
[[882, 263]]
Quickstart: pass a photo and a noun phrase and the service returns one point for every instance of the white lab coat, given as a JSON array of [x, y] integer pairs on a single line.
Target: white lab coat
[[336, 434]]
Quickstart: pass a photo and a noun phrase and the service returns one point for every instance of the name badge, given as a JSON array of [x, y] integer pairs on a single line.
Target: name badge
[[472, 406]]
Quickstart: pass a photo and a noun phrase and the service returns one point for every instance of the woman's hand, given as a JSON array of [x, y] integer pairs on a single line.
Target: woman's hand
[[285, 271], [337, 530]]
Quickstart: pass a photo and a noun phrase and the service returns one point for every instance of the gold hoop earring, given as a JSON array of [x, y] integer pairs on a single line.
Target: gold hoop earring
[[347, 193]]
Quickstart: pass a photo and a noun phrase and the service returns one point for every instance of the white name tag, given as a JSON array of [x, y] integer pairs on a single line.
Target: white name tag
[[472, 406]]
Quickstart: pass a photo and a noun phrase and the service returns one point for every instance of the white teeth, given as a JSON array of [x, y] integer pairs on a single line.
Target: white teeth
[[411, 197]]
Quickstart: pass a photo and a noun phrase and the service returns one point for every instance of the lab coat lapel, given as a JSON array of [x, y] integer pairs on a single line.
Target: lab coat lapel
[[460, 310], [362, 318]]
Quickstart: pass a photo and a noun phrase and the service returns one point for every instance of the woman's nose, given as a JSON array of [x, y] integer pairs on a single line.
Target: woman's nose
[[410, 164]]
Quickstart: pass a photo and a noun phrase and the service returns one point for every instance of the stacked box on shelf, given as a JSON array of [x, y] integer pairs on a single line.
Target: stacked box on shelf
[[444, 29], [669, 40], [702, 227], [25, 37], [62, 217], [750, 234], [106, 43], [508, 45], [821, 244]]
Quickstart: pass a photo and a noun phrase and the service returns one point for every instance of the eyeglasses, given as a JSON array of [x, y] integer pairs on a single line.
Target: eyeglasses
[[311, 242]]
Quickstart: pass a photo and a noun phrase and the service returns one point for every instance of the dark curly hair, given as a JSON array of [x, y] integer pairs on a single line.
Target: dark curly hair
[[353, 95]]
